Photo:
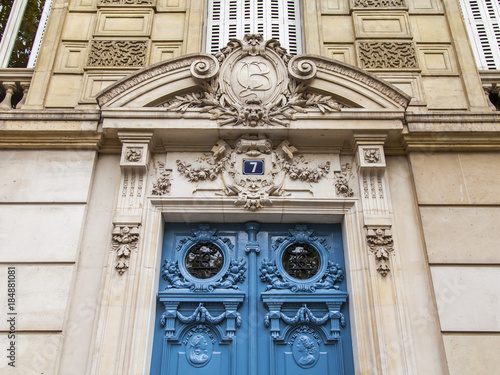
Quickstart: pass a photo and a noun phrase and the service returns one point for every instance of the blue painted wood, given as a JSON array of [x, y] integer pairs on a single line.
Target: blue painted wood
[[242, 322]]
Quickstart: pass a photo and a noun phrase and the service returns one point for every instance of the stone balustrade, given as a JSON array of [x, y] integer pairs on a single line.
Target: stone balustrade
[[14, 86]]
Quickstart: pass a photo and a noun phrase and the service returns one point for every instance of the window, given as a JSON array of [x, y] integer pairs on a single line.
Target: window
[[274, 19], [482, 18], [22, 24]]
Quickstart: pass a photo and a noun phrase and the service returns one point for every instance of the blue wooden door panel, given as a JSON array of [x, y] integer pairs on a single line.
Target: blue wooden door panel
[[255, 299]]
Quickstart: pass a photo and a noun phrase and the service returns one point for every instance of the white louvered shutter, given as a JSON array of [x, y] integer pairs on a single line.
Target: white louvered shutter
[[482, 18], [278, 19]]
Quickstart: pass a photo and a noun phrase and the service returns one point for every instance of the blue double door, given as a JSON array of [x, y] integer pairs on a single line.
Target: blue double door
[[252, 299]]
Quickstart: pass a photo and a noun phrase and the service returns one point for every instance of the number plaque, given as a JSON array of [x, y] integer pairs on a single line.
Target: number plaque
[[253, 167]]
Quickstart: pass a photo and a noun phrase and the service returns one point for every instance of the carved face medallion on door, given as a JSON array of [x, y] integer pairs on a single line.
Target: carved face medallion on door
[[252, 299]]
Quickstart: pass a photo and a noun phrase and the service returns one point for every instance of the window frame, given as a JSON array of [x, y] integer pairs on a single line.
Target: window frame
[[12, 29], [284, 21]]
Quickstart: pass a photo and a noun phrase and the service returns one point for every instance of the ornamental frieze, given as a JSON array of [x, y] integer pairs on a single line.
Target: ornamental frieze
[[254, 87], [125, 2], [379, 4], [268, 169]]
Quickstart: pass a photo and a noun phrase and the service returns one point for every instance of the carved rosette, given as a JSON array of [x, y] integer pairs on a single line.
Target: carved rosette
[[124, 242], [253, 87], [253, 192], [381, 245]]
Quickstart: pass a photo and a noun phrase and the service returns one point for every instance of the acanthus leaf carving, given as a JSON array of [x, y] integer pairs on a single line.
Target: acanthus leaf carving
[[381, 244], [124, 240]]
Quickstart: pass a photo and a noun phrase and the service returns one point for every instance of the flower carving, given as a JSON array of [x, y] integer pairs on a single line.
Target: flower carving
[[125, 240], [381, 244]]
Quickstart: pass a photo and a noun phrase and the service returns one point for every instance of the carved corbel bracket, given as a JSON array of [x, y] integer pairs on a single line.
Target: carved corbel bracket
[[381, 245], [124, 241]]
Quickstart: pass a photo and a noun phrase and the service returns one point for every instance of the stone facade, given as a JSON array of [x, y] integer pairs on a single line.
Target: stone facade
[[383, 125]]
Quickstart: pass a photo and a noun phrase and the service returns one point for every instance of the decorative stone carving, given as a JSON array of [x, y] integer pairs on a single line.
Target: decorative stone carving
[[342, 179], [199, 349], [381, 244], [201, 315], [252, 192], [204, 234], [162, 185], [253, 87], [387, 55], [117, 53], [305, 350], [371, 155], [234, 275], [301, 234], [124, 241], [379, 4], [126, 2], [304, 315], [134, 154]]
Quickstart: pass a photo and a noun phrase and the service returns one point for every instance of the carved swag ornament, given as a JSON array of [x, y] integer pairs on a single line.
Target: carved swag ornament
[[253, 86], [253, 192]]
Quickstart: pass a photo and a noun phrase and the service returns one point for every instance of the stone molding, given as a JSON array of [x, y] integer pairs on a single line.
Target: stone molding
[[381, 245]]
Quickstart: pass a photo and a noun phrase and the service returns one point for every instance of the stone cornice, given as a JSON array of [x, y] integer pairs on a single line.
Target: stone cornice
[[452, 131], [50, 129]]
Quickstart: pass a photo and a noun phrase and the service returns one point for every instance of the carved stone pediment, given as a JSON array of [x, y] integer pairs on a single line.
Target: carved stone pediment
[[251, 83]]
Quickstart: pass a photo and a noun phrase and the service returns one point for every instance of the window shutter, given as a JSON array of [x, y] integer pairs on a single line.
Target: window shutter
[[482, 18], [278, 19]]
